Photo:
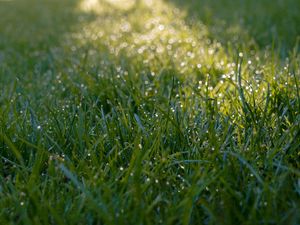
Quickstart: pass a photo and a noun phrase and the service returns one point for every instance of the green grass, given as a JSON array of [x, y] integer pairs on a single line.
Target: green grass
[[163, 112]]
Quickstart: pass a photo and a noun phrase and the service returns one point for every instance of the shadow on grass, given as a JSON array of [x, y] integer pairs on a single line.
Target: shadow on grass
[[32, 33], [36, 24], [267, 22]]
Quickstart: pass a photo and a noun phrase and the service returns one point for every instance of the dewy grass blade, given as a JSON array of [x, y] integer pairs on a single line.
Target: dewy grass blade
[[244, 162], [72, 177], [13, 148]]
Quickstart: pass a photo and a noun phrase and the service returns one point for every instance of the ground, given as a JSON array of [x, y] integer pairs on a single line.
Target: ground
[[149, 112]]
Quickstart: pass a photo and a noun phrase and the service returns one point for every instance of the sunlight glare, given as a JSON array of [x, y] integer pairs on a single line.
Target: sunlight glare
[[90, 6], [122, 4], [95, 5]]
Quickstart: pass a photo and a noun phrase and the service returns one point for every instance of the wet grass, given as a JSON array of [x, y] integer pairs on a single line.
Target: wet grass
[[145, 113]]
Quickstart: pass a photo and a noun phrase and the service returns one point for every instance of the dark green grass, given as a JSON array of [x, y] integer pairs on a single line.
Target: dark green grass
[[266, 23], [92, 132]]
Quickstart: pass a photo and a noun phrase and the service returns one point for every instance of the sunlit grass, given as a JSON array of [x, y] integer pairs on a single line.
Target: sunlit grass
[[164, 38]]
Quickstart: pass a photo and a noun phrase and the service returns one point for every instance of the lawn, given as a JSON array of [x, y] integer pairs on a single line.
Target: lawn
[[150, 112]]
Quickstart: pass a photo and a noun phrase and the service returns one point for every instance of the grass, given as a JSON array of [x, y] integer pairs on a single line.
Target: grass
[[148, 112]]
